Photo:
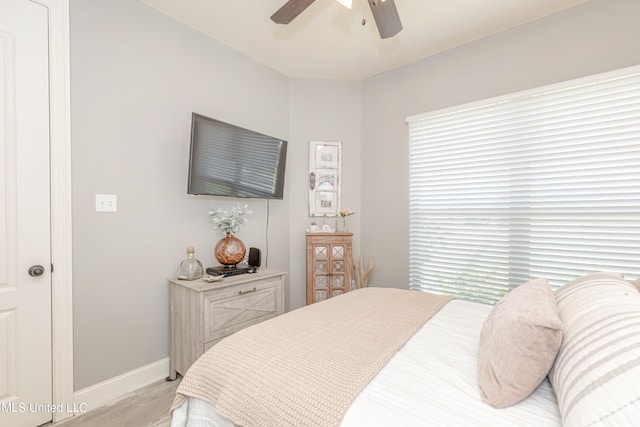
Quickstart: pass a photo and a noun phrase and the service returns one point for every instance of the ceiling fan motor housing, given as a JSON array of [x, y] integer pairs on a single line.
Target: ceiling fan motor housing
[[384, 12]]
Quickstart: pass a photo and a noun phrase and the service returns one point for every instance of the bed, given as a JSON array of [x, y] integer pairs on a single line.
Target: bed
[[432, 377]]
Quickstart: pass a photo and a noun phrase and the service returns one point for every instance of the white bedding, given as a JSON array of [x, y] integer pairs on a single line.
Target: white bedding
[[431, 381]]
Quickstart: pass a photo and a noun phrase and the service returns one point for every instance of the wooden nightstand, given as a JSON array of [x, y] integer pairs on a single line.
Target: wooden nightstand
[[329, 265], [201, 313]]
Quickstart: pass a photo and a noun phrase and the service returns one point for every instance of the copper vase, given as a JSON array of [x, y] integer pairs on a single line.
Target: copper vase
[[230, 250]]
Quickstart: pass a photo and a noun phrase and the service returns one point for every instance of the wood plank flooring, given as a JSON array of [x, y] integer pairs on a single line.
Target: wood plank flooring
[[148, 406]]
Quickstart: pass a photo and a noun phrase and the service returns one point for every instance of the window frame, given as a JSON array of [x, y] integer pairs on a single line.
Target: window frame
[[491, 293]]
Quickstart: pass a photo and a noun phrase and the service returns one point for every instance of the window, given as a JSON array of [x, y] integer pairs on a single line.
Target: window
[[538, 184]]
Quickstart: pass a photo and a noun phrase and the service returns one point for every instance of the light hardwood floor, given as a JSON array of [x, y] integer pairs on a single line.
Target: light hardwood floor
[[148, 406]]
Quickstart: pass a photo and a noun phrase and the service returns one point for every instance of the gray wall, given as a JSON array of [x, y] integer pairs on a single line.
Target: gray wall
[[598, 36], [321, 110], [136, 76]]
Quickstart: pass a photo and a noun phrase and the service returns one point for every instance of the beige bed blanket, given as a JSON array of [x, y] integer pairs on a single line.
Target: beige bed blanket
[[304, 368]]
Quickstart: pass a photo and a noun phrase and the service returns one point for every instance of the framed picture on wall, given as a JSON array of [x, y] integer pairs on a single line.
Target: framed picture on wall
[[325, 203], [326, 179], [327, 156], [325, 162]]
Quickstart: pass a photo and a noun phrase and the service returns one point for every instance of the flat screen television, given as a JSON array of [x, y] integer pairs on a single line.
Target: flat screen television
[[227, 160]]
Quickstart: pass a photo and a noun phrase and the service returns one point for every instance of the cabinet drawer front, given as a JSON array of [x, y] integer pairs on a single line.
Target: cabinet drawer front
[[228, 311]]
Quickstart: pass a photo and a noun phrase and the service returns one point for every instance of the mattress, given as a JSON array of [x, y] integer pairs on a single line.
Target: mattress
[[430, 381]]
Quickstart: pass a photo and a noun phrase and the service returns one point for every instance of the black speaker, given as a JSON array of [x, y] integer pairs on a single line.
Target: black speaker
[[254, 257]]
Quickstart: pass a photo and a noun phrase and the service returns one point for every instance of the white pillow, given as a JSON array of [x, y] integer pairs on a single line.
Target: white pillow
[[596, 375]]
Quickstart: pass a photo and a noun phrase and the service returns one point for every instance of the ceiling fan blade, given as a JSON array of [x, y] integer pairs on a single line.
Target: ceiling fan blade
[[290, 10], [386, 16]]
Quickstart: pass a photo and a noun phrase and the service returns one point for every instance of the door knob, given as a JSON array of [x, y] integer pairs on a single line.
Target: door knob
[[36, 270]]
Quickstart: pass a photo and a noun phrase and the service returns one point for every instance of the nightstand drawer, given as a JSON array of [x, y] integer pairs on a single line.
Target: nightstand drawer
[[227, 311]]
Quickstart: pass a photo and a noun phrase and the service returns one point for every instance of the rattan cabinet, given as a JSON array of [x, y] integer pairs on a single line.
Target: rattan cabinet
[[329, 265]]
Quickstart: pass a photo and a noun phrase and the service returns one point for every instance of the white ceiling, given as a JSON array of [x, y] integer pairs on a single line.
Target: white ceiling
[[328, 40]]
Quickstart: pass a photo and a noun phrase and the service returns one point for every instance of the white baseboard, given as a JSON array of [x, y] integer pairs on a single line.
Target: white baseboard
[[109, 390]]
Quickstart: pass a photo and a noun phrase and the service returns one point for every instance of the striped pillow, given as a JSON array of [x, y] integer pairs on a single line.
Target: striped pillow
[[596, 375]]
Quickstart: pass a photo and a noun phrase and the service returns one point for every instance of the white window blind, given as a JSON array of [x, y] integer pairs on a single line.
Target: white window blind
[[541, 184]]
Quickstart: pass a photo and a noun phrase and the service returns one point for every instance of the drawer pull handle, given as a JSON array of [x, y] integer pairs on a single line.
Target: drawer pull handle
[[247, 291]]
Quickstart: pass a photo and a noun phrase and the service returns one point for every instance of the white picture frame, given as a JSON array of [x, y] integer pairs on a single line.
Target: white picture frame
[[325, 192]]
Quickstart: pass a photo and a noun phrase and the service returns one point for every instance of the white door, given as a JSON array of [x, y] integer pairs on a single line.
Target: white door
[[25, 296]]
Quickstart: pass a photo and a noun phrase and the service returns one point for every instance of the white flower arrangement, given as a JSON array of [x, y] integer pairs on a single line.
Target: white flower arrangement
[[229, 222]]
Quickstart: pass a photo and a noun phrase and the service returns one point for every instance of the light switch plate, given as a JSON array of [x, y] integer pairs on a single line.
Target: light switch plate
[[106, 203]]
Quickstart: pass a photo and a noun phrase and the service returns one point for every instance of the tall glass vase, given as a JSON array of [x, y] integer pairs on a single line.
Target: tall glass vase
[[343, 224]]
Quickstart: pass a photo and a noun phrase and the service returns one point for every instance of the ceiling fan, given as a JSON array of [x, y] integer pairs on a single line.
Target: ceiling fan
[[384, 13]]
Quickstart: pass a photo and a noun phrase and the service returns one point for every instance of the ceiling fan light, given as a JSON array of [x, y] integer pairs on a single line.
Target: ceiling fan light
[[345, 3]]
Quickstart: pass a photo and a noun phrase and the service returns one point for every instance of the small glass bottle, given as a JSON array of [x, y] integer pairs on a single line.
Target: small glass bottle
[[190, 268]]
